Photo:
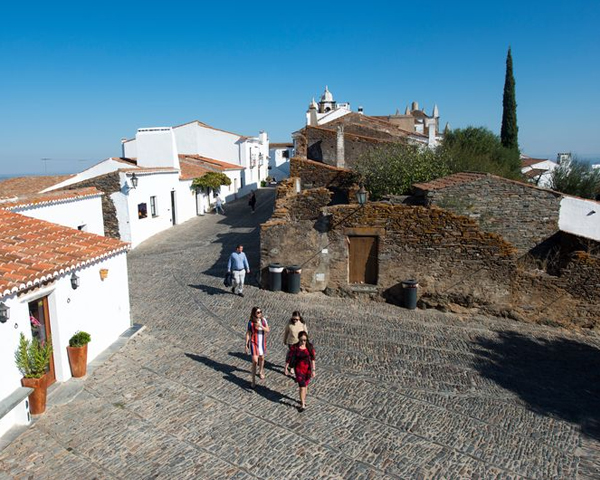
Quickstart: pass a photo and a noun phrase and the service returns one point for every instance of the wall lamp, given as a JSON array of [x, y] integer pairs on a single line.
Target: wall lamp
[[74, 281], [4, 313], [134, 180], [361, 195]]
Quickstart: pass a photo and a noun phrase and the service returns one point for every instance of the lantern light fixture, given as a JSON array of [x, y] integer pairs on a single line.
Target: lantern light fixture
[[74, 281], [361, 195], [4, 312], [134, 180]]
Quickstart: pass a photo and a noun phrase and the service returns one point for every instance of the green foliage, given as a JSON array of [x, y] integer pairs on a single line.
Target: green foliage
[[79, 339], [576, 178], [32, 357], [211, 181], [393, 168], [477, 149], [509, 132]]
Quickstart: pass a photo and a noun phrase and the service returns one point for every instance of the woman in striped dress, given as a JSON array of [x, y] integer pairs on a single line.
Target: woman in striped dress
[[256, 342]]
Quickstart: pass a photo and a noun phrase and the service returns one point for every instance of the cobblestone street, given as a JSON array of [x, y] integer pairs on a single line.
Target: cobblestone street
[[398, 393]]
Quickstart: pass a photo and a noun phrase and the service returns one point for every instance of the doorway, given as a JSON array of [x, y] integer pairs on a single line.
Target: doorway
[[363, 260], [173, 217], [39, 319]]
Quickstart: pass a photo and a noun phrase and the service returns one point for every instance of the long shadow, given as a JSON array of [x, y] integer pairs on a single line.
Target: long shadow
[[228, 371], [268, 365], [212, 290], [558, 377]]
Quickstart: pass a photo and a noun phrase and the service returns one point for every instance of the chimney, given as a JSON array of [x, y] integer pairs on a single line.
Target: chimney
[[156, 147], [123, 140], [339, 157], [415, 106], [360, 110]]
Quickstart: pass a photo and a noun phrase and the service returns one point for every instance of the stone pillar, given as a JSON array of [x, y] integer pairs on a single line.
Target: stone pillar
[[339, 158]]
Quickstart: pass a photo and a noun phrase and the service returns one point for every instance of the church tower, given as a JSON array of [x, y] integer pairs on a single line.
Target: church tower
[[327, 102]]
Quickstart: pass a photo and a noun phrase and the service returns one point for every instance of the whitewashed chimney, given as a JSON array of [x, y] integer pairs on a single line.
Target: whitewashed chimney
[[339, 159], [156, 147]]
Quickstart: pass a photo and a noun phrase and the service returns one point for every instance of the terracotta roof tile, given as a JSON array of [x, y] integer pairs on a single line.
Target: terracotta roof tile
[[50, 197], [33, 251], [209, 163], [18, 186], [281, 145]]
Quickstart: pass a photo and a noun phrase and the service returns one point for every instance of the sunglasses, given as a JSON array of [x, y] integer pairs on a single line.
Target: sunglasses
[[258, 311]]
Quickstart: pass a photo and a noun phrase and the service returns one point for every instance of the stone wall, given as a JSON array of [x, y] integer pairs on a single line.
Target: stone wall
[[321, 146], [107, 184], [458, 265], [317, 174], [522, 214]]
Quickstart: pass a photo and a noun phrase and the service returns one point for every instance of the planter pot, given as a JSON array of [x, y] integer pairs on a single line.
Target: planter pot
[[37, 399], [78, 360]]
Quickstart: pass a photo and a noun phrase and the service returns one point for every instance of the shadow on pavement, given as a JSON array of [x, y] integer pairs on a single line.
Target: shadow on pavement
[[558, 377], [239, 216], [244, 383], [212, 290], [268, 365]]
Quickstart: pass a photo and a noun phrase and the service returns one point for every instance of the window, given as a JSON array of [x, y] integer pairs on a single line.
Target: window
[[285, 154], [153, 210], [142, 210]]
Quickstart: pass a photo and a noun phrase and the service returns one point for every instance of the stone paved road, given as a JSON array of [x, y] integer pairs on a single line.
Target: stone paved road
[[399, 394]]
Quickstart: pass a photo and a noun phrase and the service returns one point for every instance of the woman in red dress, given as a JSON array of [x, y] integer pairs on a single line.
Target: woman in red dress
[[302, 358]]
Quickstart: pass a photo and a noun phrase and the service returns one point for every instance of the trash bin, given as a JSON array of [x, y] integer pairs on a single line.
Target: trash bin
[[409, 294], [275, 270], [293, 278]]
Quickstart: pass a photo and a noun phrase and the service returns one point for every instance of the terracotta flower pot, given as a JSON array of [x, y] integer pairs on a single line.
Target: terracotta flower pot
[[37, 399], [78, 360]]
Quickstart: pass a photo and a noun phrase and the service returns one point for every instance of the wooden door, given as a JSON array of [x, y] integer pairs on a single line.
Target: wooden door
[[40, 329], [363, 260]]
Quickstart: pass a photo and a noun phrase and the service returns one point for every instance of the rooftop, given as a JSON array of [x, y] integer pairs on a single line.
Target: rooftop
[[33, 251], [19, 186], [48, 198]]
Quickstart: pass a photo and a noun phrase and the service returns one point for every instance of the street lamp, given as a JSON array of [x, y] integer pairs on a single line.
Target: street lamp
[[4, 313], [361, 195], [134, 180]]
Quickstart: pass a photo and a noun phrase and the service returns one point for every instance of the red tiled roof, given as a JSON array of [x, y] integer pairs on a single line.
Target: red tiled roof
[[528, 161], [191, 169], [33, 251], [18, 186], [50, 197], [450, 181], [534, 172], [211, 163]]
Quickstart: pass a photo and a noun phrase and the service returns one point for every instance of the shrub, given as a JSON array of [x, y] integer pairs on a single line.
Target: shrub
[[79, 339], [33, 357]]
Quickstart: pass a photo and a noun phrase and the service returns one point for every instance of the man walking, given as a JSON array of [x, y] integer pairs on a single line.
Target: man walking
[[238, 265], [219, 206]]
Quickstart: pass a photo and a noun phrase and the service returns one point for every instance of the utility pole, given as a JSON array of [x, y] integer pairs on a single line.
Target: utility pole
[[45, 160]]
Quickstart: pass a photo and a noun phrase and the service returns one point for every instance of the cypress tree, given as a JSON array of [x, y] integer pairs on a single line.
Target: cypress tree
[[509, 132]]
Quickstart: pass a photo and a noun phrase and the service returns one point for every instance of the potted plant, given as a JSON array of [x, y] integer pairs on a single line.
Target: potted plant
[[77, 351], [32, 359]]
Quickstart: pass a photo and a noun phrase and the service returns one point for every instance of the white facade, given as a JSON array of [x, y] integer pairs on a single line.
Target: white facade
[[99, 307], [196, 138], [279, 162], [155, 194], [580, 217], [84, 213], [544, 179]]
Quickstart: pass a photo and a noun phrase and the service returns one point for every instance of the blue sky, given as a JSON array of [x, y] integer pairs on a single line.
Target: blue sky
[[75, 80]]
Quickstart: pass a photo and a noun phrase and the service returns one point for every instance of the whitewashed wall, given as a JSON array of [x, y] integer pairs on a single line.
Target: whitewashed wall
[[72, 213], [280, 165], [133, 229], [69, 312], [186, 201], [198, 140], [156, 147], [580, 217]]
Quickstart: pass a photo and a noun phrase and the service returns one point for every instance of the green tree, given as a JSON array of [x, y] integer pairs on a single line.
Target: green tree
[[211, 181], [477, 149], [509, 133], [576, 178], [393, 168]]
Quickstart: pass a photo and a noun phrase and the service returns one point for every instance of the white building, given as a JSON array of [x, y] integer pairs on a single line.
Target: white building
[[538, 170], [580, 217], [80, 209], [197, 138], [279, 160], [38, 260]]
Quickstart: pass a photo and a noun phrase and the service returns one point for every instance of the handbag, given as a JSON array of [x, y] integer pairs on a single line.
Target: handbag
[[228, 280]]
